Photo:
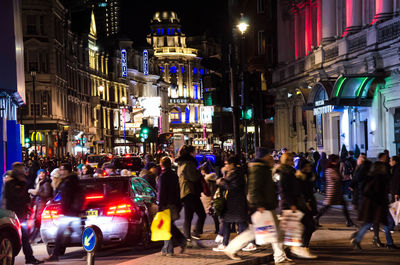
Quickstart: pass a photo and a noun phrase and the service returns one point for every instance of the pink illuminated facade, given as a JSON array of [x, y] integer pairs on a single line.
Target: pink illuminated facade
[[337, 78]]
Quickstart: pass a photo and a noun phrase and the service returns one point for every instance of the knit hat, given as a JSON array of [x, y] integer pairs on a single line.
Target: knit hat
[[55, 173], [40, 171], [262, 151]]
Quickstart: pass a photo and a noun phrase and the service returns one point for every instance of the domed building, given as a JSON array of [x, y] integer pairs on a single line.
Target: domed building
[[180, 67]]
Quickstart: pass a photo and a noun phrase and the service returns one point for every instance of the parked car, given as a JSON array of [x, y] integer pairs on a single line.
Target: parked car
[[10, 237], [121, 207], [94, 160], [128, 161]]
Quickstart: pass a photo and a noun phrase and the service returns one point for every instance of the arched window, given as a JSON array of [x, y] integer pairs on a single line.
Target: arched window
[[187, 114], [175, 115]]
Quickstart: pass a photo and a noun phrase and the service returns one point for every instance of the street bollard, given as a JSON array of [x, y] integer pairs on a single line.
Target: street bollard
[[91, 240]]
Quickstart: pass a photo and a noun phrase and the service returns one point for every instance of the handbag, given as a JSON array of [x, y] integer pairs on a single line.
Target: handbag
[[394, 210], [219, 201], [264, 227], [291, 224], [161, 226]]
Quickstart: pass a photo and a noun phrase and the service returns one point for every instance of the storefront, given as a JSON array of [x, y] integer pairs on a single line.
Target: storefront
[[347, 112]]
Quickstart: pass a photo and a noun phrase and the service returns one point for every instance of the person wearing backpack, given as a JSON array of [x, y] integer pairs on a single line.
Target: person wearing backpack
[[347, 166], [71, 198]]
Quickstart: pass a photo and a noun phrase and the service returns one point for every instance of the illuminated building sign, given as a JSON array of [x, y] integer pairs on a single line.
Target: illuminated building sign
[[145, 62], [123, 62], [206, 113], [323, 110]]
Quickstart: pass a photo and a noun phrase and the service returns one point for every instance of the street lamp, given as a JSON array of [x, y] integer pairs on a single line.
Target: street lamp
[[243, 25]]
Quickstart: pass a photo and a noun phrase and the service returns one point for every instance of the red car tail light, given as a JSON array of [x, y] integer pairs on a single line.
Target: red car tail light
[[51, 212], [120, 209], [94, 197]]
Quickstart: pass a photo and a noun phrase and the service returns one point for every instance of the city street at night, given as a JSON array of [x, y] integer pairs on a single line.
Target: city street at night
[[330, 243], [199, 133]]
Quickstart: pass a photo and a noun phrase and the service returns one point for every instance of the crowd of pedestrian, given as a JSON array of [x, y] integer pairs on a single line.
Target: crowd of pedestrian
[[230, 189]]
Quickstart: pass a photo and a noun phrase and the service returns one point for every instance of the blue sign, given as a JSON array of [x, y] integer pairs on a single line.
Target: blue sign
[[145, 62], [123, 63], [88, 239]]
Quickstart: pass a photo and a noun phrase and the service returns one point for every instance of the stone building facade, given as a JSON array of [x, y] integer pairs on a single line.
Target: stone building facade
[[337, 77], [79, 86]]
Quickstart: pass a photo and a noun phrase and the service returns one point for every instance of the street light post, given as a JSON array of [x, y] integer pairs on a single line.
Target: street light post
[[242, 27], [101, 90], [33, 74]]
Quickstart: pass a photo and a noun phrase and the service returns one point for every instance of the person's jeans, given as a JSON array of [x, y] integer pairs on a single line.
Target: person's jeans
[[192, 204], [345, 188], [364, 229], [391, 222], [177, 239], [226, 230], [26, 246]]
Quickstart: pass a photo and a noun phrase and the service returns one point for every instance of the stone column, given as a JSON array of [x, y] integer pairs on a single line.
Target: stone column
[[328, 21], [383, 10], [353, 16]]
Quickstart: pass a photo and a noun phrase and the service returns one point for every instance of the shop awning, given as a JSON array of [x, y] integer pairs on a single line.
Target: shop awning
[[352, 90]]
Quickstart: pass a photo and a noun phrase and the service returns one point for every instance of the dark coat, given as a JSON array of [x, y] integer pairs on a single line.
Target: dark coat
[[16, 196], [261, 188], [321, 166], [395, 181], [45, 191], [375, 204], [290, 189], [360, 177], [168, 189], [306, 182], [236, 204], [71, 195]]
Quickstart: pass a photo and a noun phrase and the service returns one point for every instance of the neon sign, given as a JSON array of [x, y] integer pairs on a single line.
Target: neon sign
[[145, 62], [123, 63]]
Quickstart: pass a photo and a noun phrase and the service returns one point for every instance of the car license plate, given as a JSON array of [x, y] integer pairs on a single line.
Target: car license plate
[[92, 213]]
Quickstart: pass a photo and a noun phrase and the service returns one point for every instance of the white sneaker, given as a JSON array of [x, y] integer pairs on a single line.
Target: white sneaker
[[219, 248], [219, 239], [286, 260], [250, 247], [302, 252]]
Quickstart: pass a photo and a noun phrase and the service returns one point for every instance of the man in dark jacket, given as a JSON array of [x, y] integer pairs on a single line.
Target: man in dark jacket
[[71, 203], [168, 198], [17, 199], [261, 197]]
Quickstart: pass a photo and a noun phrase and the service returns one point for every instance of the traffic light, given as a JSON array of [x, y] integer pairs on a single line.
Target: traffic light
[[247, 112], [78, 142], [144, 130], [27, 142]]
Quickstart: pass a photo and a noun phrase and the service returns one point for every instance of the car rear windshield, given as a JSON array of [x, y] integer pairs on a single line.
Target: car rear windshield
[[129, 163], [107, 186], [95, 159]]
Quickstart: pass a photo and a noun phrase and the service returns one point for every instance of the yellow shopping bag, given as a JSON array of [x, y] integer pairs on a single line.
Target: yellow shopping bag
[[161, 226]]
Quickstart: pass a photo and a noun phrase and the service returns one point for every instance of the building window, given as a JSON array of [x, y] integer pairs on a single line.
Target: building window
[[175, 115], [183, 69], [187, 115], [31, 25], [261, 42], [201, 71], [260, 6], [195, 91], [196, 114], [195, 71], [172, 70]]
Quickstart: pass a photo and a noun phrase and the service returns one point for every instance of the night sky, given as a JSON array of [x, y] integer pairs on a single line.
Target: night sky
[[196, 17]]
